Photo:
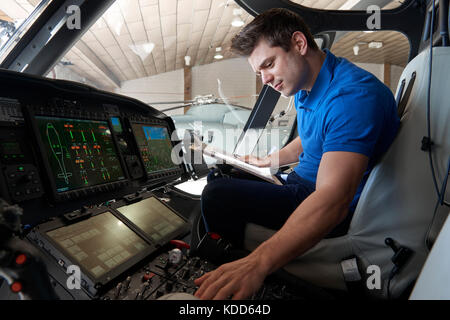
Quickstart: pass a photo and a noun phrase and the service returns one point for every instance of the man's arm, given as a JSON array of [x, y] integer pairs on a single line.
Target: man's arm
[[288, 154], [338, 178]]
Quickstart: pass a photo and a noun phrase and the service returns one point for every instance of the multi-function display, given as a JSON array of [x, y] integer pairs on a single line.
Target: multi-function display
[[81, 153], [99, 244], [155, 219], [154, 146]]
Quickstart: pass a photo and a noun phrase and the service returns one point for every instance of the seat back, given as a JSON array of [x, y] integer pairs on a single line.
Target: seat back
[[399, 198]]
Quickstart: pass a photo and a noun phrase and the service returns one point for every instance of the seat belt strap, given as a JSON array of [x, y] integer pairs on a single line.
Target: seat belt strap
[[352, 277], [404, 101]]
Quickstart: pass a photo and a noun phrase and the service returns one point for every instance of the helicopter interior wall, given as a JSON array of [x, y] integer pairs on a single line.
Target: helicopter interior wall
[[429, 284]]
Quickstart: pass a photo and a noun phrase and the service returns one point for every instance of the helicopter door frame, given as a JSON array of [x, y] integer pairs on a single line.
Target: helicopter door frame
[[408, 18]]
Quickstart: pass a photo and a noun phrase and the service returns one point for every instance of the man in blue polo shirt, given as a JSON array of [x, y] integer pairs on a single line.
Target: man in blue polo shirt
[[346, 120]]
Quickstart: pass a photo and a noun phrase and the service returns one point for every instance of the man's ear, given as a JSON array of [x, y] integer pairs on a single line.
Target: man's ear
[[299, 42]]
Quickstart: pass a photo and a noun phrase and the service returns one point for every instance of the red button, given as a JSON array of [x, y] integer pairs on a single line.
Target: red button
[[180, 244], [21, 259], [16, 287], [214, 236], [148, 276]]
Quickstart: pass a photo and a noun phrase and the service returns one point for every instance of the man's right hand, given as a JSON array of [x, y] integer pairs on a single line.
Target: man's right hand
[[265, 162]]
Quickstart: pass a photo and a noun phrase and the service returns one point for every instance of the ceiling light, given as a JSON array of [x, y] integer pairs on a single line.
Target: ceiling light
[[368, 31], [237, 22], [187, 60], [143, 50], [355, 49], [375, 44], [148, 47], [218, 53]]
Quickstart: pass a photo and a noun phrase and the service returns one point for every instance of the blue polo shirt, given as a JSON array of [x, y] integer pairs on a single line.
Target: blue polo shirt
[[348, 109]]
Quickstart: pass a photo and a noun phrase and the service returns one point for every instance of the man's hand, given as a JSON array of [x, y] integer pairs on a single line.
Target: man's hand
[[239, 279], [288, 154], [265, 162]]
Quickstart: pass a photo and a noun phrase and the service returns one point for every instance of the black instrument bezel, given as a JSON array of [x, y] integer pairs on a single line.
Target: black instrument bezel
[[31, 111], [163, 174], [88, 283]]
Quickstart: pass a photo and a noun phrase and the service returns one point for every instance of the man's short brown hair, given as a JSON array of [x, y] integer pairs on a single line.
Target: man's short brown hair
[[276, 26]]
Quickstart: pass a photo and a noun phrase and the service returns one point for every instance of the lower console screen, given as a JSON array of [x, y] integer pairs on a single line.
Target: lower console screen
[[155, 219], [98, 244], [81, 153]]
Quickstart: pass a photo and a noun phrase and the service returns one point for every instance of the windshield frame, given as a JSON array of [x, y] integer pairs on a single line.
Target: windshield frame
[[27, 23]]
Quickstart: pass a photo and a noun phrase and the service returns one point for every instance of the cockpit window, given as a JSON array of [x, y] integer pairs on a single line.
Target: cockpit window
[[16, 16], [142, 39]]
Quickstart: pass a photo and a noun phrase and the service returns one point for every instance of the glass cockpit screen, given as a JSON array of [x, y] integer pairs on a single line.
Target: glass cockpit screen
[[155, 147], [99, 244], [153, 218], [81, 153]]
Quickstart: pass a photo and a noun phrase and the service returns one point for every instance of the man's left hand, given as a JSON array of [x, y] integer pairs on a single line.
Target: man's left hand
[[239, 279]]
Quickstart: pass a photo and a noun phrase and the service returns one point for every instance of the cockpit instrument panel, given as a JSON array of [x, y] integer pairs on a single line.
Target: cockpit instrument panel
[[80, 153], [154, 146], [85, 166]]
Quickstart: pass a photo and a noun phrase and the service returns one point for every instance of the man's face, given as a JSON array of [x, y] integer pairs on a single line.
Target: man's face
[[286, 72]]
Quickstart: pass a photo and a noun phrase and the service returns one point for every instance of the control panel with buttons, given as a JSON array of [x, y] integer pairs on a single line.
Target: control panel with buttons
[[23, 181]]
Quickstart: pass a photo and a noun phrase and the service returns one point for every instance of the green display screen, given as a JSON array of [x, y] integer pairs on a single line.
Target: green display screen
[[81, 153], [155, 147], [117, 126]]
